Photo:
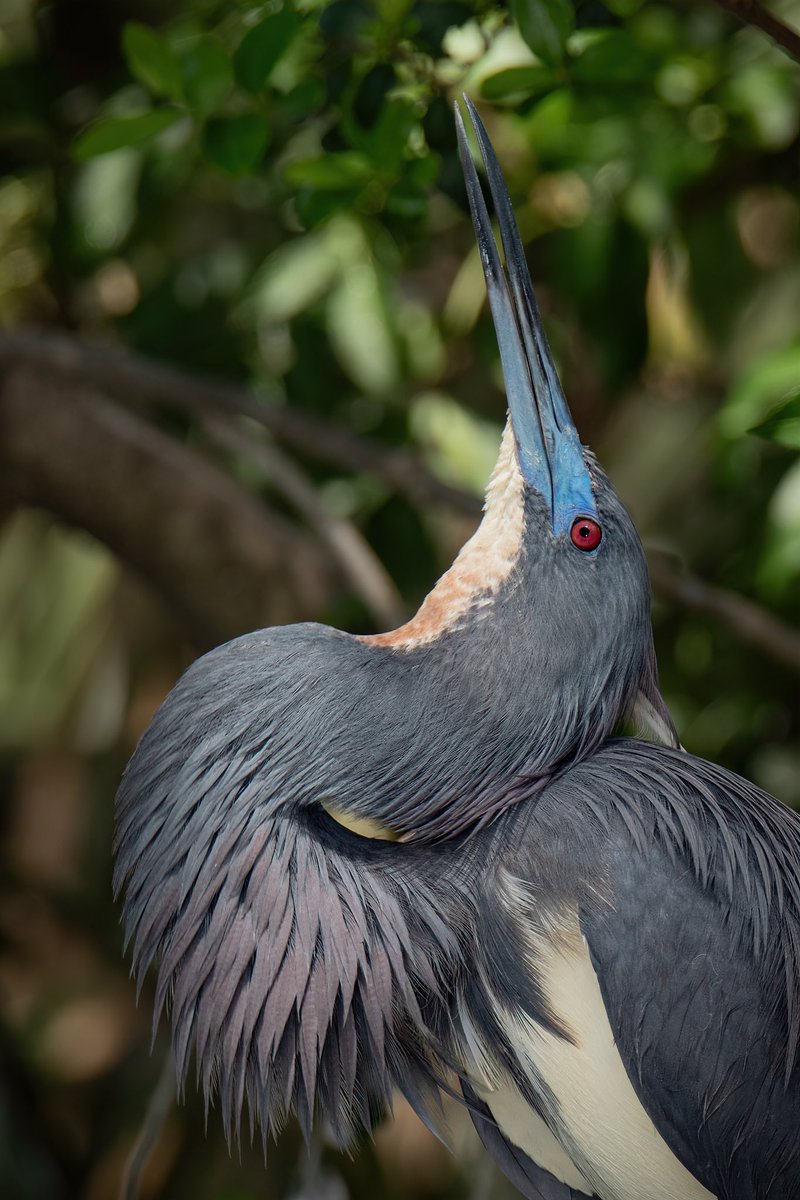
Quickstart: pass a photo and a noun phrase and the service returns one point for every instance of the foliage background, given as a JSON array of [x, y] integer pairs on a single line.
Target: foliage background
[[247, 375]]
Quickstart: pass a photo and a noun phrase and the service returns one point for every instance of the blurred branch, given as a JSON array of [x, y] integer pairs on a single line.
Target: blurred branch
[[751, 13], [746, 619], [222, 562], [158, 1108], [358, 562], [128, 377], [739, 171], [484, 1175], [125, 377], [137, 381]]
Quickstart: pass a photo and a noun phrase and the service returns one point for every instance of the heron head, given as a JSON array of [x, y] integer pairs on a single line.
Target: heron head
[[585, 562]]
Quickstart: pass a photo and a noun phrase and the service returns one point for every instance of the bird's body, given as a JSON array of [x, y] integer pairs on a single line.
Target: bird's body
[[594, 939], [657, 932], [666, 927]]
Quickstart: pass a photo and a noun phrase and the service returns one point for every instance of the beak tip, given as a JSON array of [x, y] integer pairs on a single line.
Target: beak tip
[[547, 442]]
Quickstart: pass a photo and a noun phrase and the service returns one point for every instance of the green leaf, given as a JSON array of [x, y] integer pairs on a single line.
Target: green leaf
[[236, 144], [783, 423], [423, 172], [385, 143], [762, 389], [406, 201], [330, 172], [624, 8], [359, 329], [518, 81], [545, 25], [207, 75], [116, 132], [294, 277], [151, 60], [260, 49], [303, 99], [313, 206], [612, 56]]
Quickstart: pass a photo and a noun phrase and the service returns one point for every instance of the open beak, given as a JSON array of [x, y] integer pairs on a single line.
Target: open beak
[[548, 448]]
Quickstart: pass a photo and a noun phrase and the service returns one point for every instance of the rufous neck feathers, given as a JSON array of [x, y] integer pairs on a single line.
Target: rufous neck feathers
[[483, 564]]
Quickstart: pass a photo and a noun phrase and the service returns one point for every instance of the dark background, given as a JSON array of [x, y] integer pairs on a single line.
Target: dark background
[[247, 376]]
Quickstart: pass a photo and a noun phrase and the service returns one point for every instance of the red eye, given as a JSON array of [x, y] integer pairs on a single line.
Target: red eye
[[585, 533]]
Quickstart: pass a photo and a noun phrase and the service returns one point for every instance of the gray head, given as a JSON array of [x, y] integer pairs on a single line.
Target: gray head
[[556, 570]]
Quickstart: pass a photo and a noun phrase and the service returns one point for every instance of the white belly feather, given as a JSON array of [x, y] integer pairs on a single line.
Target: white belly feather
[[602, 1140]]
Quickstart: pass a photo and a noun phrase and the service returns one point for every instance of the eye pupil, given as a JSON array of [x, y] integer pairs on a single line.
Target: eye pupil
[[585, 533]]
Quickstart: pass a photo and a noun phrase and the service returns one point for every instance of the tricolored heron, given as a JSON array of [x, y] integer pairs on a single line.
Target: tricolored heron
[[594, 939]]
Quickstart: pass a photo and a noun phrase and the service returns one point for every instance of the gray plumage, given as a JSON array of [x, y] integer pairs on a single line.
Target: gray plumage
[[311, 970]]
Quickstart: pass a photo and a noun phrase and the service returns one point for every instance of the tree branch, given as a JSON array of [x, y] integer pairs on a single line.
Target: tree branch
[[743, 617], [146, 384], [139, 382], [161, 1102], [358, 562], [149, 384], [750, 12], [222, 562]]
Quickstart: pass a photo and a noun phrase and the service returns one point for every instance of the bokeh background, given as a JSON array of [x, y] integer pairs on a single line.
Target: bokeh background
[[247, 376]]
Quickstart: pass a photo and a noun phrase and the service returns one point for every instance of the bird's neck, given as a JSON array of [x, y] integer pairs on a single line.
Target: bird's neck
[[481, 568]]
